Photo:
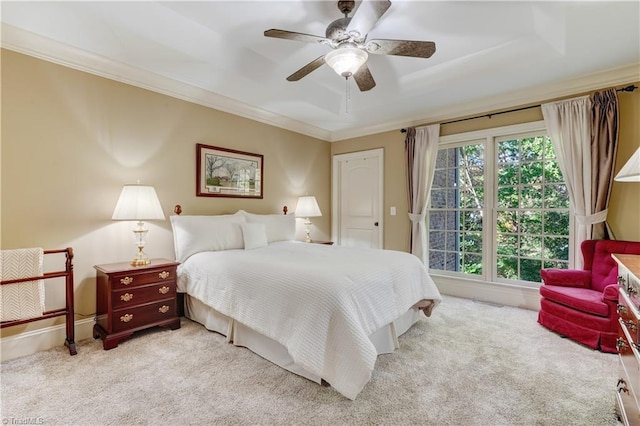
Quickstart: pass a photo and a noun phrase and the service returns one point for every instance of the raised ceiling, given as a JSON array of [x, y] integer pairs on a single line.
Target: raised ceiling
[[490, 55]]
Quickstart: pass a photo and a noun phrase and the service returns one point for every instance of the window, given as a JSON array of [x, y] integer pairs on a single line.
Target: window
[[499, 207], [457, 202]]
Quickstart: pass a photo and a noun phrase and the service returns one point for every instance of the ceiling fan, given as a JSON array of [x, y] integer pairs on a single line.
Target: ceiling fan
[[348, 38]]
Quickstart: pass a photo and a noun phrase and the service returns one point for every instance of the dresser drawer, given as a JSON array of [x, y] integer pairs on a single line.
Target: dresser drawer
[[626, 405], [134, 279], [628, 316], [134, 296], [629, 363], [143, 316], [632, 287]]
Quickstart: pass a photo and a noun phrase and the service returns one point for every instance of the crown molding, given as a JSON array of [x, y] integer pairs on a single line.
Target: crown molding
[[559, 89], [31, 44], [49, 50]]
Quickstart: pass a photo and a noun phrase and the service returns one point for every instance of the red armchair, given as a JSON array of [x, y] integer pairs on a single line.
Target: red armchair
[[581, 304]]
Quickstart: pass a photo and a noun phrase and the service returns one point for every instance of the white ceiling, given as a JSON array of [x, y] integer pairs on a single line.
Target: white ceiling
[[489, 55]]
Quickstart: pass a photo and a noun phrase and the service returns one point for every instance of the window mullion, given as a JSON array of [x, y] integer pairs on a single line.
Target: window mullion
[[489, 228]]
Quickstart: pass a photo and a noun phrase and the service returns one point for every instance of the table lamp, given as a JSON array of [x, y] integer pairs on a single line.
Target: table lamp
[[138, 202], [307, 207]]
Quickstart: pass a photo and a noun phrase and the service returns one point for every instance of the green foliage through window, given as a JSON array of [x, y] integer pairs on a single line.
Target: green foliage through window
[[530, 212]]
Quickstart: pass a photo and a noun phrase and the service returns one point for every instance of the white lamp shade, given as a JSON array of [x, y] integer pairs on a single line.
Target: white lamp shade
[[630, 172], [346, 60], [308, 207], [138, 202]]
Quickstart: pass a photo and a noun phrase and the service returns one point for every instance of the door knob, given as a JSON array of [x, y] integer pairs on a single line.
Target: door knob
[[375, 224]]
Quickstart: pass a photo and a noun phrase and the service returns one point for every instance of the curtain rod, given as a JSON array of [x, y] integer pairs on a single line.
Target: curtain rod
[[629, 88]]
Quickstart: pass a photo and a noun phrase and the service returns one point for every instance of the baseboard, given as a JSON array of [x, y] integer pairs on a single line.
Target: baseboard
[[42, 339], [520, 297]]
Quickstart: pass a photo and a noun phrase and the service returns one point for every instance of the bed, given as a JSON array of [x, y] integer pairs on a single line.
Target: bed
[[323, 312]]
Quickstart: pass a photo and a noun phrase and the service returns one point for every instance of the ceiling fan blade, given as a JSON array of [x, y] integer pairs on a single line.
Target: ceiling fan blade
[[365, 17], [418, 49], [290, 35], [364, 79], [311, 66]]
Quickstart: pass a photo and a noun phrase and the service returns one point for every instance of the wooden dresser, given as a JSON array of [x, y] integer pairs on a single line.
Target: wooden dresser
[[628, 343], [132, 298]]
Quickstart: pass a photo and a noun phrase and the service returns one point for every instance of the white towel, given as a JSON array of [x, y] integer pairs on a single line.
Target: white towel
[[21, 300]]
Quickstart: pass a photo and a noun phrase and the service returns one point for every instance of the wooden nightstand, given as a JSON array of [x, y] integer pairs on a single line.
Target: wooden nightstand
[[132, 298]]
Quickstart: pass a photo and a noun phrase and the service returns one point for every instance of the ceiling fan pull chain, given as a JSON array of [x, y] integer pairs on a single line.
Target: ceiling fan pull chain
[[347, 94]]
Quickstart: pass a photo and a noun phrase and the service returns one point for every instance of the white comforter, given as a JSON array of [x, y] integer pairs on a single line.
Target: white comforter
[[320, 302]]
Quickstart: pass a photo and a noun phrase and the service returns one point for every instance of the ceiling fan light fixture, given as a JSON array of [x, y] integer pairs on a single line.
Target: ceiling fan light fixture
[[345, 61]]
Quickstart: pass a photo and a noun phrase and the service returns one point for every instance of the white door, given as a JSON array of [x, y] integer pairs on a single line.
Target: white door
[[357, 199]]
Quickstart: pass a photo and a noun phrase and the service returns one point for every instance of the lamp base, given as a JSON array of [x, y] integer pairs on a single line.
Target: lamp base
[[307, 230], [141, 258], [140, 262]]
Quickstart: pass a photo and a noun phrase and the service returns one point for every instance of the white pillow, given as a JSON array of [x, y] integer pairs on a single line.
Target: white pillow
[[193, 234], [280, 227], [254, 234]]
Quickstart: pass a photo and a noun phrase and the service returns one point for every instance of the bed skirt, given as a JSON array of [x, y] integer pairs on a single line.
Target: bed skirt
[[385, 339]]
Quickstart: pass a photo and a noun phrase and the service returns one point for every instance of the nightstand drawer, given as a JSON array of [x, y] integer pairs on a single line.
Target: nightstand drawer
[[131, 279], [140, 295], [145, 315]]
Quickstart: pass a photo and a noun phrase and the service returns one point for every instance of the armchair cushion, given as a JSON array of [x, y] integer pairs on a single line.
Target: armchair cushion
[[582, 299], [566, 277]]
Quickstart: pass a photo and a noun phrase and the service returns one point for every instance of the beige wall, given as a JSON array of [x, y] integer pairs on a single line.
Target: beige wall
[[70, 140], [624, 204], [623, 217]]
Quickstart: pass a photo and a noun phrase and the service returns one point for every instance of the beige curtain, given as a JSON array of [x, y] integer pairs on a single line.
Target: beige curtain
[[604, 142], [569, 126], [421, 150]]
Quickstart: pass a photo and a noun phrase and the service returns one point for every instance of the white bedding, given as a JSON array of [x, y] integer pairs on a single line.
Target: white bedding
[[320, 302]]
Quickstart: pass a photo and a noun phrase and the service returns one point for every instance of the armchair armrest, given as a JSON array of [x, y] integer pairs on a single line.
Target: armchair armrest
[[566, 277], [610, 293]]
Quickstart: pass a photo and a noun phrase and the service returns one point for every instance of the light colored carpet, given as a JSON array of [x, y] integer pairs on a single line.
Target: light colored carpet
[[469, 364]]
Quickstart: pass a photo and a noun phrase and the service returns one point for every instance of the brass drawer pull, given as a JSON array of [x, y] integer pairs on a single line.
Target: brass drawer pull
[[164, 290], [163, 274], [631, 290], [126, 280], [622, 386], [163, 309], [126, 317], [621, 281], [621, 345], [621, 309], [630, 325], [126, 297]]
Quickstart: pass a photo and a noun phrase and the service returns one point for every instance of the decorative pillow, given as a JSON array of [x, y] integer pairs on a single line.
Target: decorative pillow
[[254, 234], [280, 227], [193, 234]]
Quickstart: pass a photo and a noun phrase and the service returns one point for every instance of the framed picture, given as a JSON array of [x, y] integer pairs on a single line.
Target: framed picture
[[222, 172]]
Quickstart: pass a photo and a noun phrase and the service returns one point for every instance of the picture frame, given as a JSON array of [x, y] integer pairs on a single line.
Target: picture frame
[[224, 172]]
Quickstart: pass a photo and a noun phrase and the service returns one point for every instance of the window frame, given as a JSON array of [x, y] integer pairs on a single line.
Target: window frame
[[489, 138]]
